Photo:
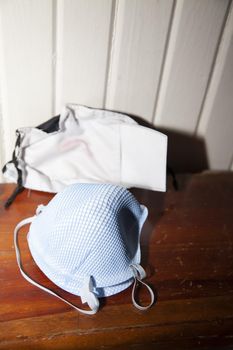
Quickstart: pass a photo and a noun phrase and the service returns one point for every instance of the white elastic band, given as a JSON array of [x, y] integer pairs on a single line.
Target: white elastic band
[[139, 274], [87, 294]]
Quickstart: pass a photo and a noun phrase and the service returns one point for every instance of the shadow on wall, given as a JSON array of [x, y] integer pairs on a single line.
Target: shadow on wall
[[186, 153]]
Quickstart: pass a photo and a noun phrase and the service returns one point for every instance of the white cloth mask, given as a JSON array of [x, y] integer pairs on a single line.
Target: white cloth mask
[[89, 146], [86, 240]]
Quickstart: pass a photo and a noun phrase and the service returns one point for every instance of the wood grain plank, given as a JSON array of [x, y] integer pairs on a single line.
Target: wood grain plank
[[187, 251], [138, 45], [216, 122], [194, 38], [164, 337], [82, 51], [166, 325]]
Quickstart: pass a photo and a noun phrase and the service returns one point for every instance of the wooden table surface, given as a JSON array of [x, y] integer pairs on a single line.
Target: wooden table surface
[[187, 250]]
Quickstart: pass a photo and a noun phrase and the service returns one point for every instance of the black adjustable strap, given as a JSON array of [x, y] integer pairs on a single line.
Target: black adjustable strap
[[174, 180], [12, 197], [49, 126], [19, 188]]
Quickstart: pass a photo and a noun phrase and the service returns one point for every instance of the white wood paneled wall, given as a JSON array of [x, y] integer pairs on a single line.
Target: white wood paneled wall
[[169, 62]]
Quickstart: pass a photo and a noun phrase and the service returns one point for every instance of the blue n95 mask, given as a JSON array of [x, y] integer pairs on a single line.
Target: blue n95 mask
[[87, 241]]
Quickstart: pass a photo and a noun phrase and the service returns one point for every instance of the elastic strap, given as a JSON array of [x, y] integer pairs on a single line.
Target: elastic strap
[[139, 274], [86, 292]]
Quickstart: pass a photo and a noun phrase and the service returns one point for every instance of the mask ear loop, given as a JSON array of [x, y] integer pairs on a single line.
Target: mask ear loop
[[86, 293], [139, 274]]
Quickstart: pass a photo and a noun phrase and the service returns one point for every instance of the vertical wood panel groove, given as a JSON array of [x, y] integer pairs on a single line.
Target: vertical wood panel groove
[[140, 31], [216, 122], [2, 102], [168, 60], [212, 67], [84, 40], [58, 12], [27, 52], [112, 33], [231, 164], [111, 55], [54, 54], [163, 61], [195, 32]]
